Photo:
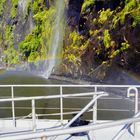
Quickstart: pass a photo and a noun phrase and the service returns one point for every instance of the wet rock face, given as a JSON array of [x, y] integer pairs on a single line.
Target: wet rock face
[[90, 60], [133, 55], [23, 28], [112, 4], [21, 24], [73, 12], [128, 59]]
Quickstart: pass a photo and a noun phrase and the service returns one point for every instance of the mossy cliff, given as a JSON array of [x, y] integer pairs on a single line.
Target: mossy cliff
[[25, 28], [98, 34], [106, 34]]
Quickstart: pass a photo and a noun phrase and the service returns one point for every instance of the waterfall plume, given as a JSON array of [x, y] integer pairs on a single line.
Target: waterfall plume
[[56, 42]]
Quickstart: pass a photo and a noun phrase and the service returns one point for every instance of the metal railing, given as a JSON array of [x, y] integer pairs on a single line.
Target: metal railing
[[132, 90], [125, 128], [85, 109], [33, 99], [96, 87], [58, 132]]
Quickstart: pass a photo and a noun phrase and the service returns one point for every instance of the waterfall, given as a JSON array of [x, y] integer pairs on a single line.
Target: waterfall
[[56, 42], [54, 54]]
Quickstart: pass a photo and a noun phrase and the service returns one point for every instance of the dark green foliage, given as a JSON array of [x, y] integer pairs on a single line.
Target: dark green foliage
[[35, 45], [30, 46]]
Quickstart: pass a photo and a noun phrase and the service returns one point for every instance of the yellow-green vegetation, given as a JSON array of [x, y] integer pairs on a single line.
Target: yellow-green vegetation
[[2, 6], [107, 39], [27, 8], [124, 46], [132, 8], [100, 42], [14, 8], [98, 39], [104, 15], [72, 52], [30, 46], [86, 4], [8, 35], [35, 45], [77, 45], [37, 6], [11, 56]]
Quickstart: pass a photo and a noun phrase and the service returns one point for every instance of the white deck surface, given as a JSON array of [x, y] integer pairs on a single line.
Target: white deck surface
[[102, 134]]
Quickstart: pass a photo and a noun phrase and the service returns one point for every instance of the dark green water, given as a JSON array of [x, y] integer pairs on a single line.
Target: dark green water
[[45, 106]]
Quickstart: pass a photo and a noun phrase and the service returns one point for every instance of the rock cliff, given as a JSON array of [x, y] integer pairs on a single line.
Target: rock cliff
[[99, 34]]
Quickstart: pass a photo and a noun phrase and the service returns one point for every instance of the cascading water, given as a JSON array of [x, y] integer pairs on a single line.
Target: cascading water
[[56, 42]]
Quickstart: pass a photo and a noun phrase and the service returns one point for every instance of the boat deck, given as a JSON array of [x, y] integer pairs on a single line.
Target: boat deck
[[32, 126], [24, 127]]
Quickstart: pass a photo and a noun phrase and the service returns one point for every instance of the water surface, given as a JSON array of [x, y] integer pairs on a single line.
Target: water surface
[[52, 106]]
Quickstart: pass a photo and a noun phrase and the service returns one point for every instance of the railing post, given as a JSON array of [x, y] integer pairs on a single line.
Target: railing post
[[33, 116], [13, 106], [134, 93], [95, 107], [61, 105]]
